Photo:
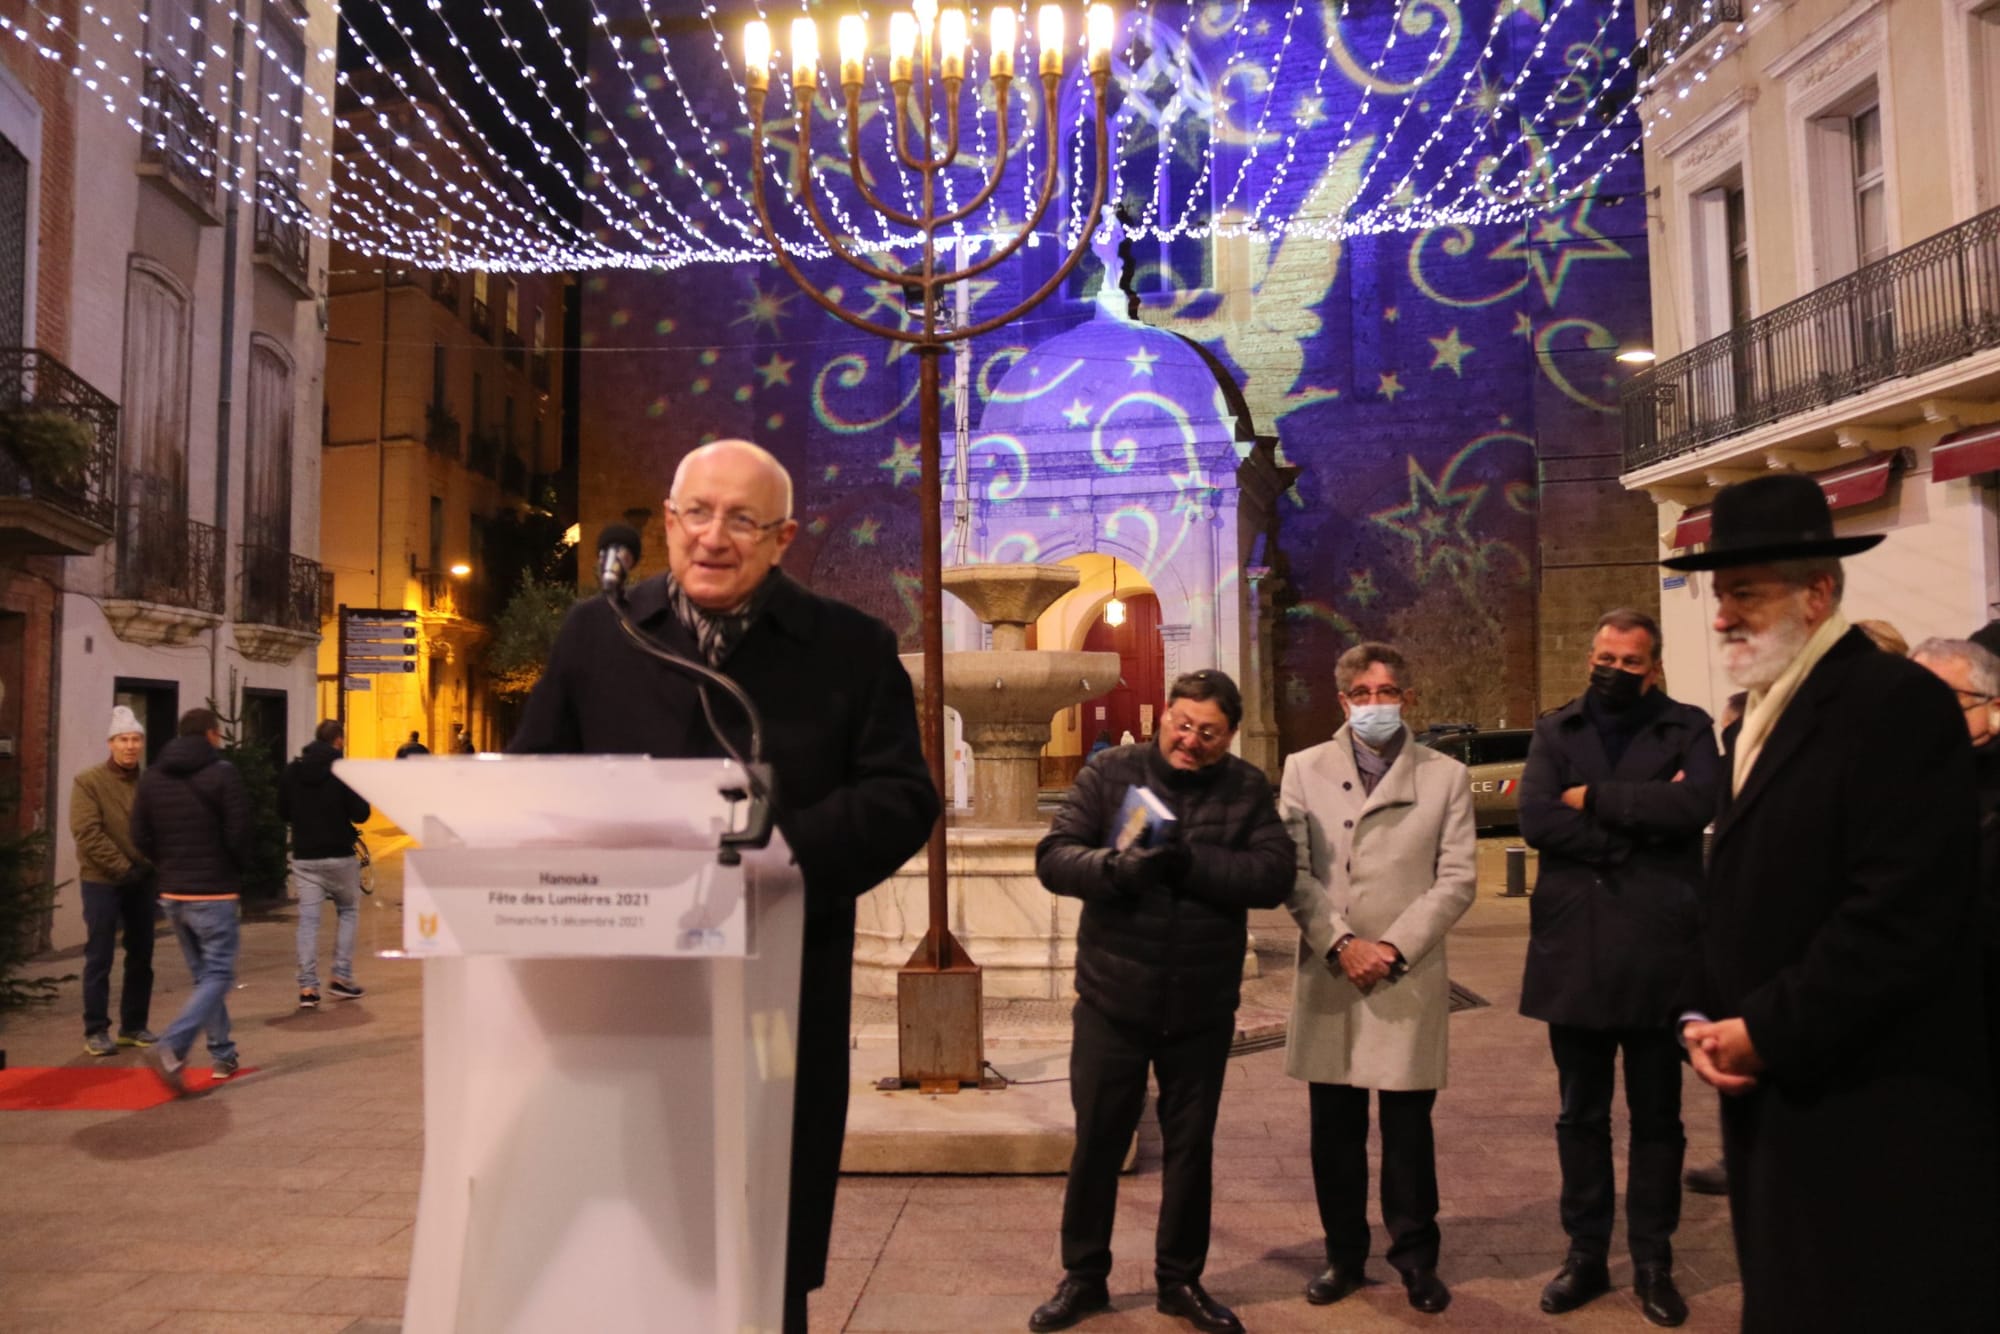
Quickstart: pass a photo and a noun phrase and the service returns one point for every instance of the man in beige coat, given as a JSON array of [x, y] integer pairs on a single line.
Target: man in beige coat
[[1387, 852]]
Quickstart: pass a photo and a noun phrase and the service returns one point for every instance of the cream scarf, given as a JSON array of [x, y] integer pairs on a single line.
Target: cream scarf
[[1762, 709]]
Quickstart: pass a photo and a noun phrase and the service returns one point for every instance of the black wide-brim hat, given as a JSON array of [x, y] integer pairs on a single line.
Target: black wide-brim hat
[[1780, 517]]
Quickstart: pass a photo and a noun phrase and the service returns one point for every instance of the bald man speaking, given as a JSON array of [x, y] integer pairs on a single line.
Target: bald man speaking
[[854, 797]]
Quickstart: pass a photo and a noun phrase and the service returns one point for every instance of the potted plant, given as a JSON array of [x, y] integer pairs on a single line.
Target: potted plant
[[53, 448]]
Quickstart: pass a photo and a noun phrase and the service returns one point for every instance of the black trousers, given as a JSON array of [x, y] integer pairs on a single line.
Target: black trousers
[[1107, 1088], [1409, 1174], [1585, 1059], [108, 910]]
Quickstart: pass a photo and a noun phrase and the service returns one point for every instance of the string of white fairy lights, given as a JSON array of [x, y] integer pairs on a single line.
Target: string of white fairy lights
[[657, 186]]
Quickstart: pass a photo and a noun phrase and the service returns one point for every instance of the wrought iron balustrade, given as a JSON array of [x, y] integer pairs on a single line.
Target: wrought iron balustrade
[[538, 368], [33, 383], [442, 433], [166, 557], [446, 594], [1923, 307], [281, 235], [482, 317], [511, 348], [444, 288], [1679, 24], [482, 454], [178, 137], [275, 587], [514, 475]]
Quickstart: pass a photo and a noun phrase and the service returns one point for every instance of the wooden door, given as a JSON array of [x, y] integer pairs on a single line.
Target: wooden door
[[1142, 682]]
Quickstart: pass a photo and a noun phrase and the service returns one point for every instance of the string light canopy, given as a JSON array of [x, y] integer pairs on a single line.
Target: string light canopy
[[1231, 116]]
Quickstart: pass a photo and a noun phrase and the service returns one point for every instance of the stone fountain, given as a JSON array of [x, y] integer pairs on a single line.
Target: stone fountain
[[1022, 937]]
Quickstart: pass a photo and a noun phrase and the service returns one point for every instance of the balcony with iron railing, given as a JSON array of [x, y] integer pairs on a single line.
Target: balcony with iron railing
[[514, 476], [512, 350], [168, 585], [58, 457], [283, 243], [177, 142], [1677, 26], [278, 609], [538, 369], [458, 597], [1918, 309], [442, 434], [482, 317], [482, 454], [444, 289]]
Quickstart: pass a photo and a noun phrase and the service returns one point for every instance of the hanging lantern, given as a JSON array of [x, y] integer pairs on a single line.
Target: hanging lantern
[[1114, 610]]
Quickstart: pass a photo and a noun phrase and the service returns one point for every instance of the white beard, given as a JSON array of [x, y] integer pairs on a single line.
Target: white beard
[[1753, 662]]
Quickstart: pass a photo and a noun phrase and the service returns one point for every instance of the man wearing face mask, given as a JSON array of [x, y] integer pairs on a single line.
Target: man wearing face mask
[[1619, 784], [1386, 865]]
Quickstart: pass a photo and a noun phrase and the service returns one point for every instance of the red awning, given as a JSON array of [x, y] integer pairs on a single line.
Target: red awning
[[1845, 487], [1964, 453]]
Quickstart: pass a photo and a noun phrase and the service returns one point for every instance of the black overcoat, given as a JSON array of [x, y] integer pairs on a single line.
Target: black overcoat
[[1838, 925], [855, 801], [1613, 919]]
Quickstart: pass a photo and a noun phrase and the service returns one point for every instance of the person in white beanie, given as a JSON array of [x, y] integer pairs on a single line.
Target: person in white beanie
[[117, 891]]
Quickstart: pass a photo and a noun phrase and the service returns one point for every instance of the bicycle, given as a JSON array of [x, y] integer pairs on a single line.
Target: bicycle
[[365, 862]]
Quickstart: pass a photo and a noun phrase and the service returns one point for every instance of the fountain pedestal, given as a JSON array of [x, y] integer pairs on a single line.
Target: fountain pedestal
[[1023, 936]]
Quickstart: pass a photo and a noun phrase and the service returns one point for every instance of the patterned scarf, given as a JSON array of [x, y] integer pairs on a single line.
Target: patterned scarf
[[717, 632]]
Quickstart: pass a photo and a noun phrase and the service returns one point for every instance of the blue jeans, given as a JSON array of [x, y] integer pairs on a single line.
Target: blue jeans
[[210, 932], [320, 879]]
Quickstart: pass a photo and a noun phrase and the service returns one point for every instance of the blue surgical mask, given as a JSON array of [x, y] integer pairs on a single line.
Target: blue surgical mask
[[1376, 724]]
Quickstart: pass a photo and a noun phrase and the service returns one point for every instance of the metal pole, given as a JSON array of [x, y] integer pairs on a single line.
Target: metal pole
[[1517, 873], [938, 942]]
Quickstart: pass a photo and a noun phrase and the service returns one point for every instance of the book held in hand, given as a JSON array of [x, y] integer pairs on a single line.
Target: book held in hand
[[1144, 821]]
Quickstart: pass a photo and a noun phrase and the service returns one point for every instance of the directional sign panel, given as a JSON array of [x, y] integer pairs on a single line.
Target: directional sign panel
[[357, 683]]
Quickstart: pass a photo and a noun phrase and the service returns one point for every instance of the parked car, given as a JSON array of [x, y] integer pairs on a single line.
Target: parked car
[[1495, 759]]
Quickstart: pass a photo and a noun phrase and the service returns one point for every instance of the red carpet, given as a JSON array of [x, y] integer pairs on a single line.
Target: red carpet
[[95, 1088]]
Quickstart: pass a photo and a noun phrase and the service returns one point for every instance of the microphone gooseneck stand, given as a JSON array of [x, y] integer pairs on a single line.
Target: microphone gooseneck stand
[[755, 831]]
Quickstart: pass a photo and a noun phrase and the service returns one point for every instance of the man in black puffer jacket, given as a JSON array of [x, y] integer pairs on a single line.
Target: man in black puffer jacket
[[191, 818], [1159, 966]]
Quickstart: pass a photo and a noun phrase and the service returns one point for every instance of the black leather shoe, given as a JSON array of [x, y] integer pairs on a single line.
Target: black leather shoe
[[1191, 1304], [1710, 1180], [1075, 1298], [1335, 1283], [1577, 1282], [1427, 1291], [1659, 1300]]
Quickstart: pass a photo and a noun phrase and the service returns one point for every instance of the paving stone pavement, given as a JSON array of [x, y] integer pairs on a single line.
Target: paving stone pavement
[[284, 1202]]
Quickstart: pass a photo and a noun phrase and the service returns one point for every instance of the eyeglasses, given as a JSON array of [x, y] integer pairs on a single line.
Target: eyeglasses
[[1968, 700], [1380, 695], [1208, 734], [700, 518]]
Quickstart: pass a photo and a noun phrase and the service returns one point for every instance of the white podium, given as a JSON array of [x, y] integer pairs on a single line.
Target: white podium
[[609, 1037]]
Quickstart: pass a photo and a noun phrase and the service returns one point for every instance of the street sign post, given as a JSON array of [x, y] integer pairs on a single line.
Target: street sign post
[[374, 641]]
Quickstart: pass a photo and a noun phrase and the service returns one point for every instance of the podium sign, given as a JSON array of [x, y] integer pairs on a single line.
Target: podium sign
[[565, 903]]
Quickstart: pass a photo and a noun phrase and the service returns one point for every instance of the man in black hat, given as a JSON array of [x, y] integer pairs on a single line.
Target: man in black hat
[[1834, 998]]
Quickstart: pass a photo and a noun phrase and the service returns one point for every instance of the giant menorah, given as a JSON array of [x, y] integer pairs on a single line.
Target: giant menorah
[[938, 991]]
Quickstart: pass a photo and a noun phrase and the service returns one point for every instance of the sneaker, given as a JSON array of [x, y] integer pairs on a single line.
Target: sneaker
[[99, 1044], [168, 1067], [137, 1037], [342, 989], [224, 1067], [308, 1000]]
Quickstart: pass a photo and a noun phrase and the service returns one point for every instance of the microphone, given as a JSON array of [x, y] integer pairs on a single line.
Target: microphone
[[617, 557]]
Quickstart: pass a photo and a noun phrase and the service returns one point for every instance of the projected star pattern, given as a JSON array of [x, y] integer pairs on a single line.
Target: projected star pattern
[[1408, 377]]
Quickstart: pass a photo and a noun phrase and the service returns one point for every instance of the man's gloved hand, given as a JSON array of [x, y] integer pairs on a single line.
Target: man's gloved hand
[[1135, 869], [136, 875]]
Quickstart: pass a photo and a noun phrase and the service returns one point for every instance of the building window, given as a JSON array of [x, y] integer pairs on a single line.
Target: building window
[[155, 392], [1871, 205], [174, 39], [513, 307], [541, 332], [507, 423], [1984, 49], [1719, 232], [437, 376], [437, 536], [267, 499], [281, 93], [478, 403], [1736, 229]]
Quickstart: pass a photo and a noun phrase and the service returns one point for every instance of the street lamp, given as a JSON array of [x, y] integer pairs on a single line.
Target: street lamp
[[928, 49]]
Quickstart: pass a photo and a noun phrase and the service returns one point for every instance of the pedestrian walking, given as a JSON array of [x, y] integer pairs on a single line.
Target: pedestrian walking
[[323, 812], [414, 746], [191, 819]]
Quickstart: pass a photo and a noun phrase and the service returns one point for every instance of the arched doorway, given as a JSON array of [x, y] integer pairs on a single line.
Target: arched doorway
[[1134, 703]]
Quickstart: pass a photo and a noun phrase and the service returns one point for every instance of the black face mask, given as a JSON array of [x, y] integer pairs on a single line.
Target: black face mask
[[1615, 688]]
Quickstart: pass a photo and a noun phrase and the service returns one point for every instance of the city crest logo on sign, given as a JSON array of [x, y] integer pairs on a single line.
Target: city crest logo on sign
[[427, 925]]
